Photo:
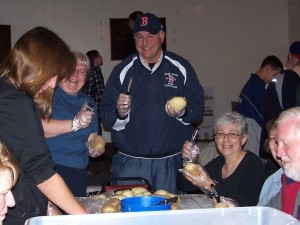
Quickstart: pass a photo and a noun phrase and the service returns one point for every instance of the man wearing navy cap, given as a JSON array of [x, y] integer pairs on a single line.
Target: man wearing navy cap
[[147, 131], [293, 57]]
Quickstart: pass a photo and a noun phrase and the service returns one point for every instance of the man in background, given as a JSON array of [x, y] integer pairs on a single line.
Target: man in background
[[94, 85], [281, 94], [129, 44], [251, 102]]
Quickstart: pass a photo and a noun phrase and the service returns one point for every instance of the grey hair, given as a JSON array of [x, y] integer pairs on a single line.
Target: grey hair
[[292, 113], [231, 118], [82, 59], [161, 33]]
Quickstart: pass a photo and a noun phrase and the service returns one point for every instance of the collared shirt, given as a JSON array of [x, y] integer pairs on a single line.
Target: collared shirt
[[289, 193], [270, 188], [94, 85], [146, 64]]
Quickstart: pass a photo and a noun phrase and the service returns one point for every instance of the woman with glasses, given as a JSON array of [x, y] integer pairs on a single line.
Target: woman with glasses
[[273, 184], [70, 126], [236, 173]]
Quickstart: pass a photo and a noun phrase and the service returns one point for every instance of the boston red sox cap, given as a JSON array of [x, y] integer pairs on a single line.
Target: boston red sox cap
[[148, 22]]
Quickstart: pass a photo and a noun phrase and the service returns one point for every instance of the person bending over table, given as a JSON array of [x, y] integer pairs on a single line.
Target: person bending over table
[[28, 76]]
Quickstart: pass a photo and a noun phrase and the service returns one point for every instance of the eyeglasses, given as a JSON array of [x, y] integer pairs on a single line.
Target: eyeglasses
[[271, 140], [229, 135]]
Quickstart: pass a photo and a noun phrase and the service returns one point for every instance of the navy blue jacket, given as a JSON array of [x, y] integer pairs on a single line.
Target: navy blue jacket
[[251, 102], [149, 131], [273, 107]]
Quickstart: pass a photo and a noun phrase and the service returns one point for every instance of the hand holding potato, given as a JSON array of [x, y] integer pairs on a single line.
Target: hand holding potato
[[176, 106], [96, 146], [123, 104], [197, 175], [225, 203], [178, 103]]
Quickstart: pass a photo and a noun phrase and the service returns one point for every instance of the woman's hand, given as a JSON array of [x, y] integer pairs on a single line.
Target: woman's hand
[[225, 203], [190, 152], [203, 180], [83, 118], [95, 145]]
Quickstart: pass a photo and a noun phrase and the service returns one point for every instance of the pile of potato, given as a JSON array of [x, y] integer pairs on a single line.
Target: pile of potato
[[113, 203]]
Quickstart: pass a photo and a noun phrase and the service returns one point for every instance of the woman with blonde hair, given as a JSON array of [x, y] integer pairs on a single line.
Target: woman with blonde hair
[[9, 173], [28, 77]]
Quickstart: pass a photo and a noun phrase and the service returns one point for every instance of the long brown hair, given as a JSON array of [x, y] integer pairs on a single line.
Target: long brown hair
[[38, 56]]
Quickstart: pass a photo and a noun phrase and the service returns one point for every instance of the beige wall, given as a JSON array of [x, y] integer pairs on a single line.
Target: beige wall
[[225, 40], [294, 20]]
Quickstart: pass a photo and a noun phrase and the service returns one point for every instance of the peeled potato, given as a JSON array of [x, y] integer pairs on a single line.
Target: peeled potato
[[98, 144], [160, 192], [101, 196], [119, 196], [192, 169], [167, 196], [119, 192], [138, 190], [127, 193], [146, 193], [114, 201], [109, 209], [221, 205], [139, 194], [178, 103], [175, 206], [173, 195]]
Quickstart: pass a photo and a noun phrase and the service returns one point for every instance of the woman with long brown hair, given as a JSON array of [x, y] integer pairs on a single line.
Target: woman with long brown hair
[[28, 77]]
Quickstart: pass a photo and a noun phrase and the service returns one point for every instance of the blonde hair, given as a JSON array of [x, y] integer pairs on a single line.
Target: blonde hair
[[8, 161], [38, 56]]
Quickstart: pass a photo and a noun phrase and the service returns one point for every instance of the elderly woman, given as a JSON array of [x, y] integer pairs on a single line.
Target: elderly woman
[[71, 125], [9, 173], [236, 173], [273, 184]]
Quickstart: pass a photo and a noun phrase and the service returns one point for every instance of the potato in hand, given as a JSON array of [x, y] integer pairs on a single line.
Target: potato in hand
[[178, 103]]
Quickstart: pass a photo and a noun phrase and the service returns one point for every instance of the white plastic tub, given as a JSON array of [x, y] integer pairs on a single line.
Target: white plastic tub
[[232, 216]]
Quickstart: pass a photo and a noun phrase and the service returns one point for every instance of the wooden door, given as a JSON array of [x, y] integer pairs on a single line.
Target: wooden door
[[5, 41]]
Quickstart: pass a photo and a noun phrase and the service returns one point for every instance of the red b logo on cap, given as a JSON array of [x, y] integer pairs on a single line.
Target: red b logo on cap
[[144, 21]]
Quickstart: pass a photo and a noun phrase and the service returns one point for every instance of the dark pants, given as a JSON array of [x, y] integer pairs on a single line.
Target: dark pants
[[74, 178], [161, 173]]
